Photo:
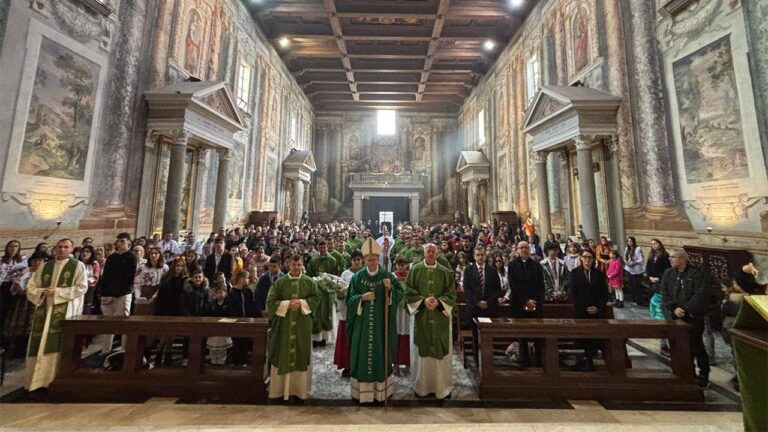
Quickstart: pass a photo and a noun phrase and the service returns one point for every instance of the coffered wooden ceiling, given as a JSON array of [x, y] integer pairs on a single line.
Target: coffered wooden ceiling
[[415, 55]]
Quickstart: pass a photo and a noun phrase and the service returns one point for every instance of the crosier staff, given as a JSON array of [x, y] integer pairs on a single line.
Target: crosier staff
[[387, 287]]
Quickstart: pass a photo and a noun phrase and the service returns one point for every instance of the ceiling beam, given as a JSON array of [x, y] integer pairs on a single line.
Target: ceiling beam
[[330, 7], [378, 37], [437, 29]]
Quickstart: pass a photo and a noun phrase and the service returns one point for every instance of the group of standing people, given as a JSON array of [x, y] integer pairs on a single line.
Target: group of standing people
[[394, 311]]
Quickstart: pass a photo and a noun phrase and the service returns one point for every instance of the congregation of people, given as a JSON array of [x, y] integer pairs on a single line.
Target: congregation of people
[[392, 316]]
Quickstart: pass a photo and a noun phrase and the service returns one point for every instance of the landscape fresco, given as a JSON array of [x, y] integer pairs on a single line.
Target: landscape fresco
[[60, 117], [710, 117]]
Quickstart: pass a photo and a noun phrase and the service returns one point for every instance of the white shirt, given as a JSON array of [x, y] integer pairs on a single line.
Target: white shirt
[[170, 248]]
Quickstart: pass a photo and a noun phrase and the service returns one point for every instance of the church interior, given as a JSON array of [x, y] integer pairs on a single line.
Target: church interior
[[441, 119]]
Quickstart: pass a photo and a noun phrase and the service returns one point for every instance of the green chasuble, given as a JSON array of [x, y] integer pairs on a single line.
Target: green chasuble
[[443, 261], [397, 247], [59, 314], [322, 318], [343, 261], [366, 331], [322, 264], [431, 328], [290, 336], [414, 255], [353, 244]]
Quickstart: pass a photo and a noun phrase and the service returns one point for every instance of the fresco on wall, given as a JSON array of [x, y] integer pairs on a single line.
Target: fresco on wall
[[503, 179], [580, 37], [193, 42], [710, 117], [236, 173], [271, 176], [60, 116]]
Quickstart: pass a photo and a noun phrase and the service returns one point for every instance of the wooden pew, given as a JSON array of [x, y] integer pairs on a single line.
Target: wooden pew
[[464, 334], [197, 380], [614, 382]]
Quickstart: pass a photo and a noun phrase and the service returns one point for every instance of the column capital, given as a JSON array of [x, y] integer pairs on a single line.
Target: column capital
[[179, 136], [150, 141], [224, 154], [613, 144], [563, 156], [202, 155], [540, 157], [583, 142]]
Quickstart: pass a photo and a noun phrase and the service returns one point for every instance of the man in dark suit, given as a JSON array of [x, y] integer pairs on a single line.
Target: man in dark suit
[[219, 261], [685, 297], [526, 283], [589, 290], [555, 275], [483, 289]]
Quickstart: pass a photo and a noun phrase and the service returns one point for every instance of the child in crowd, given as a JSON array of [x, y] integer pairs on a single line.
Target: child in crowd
[[342, 351], [615, 273], [241, 305], [403, 353], [220, 281], [218, 345]]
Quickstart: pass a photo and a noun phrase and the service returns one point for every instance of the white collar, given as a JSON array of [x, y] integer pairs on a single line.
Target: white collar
[[430, 266], [290, 276], [372, 273]]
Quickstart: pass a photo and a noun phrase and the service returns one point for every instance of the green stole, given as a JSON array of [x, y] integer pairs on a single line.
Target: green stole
[[53, 342]]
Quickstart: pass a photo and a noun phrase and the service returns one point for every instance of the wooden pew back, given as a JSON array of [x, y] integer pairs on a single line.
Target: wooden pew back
[[197, 380], [615, 382]]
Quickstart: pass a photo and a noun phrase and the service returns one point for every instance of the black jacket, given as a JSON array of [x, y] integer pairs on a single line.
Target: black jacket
[[688, 290], [656, 267], [225, 266], [218, 310], [587, 293], [194, 299], [240, 303], [490, 294], [168, 295], [260, 294], [526, 282], [117, 276]]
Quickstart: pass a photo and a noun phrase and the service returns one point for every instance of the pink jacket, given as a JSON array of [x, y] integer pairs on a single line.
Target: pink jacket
[[615, 274]]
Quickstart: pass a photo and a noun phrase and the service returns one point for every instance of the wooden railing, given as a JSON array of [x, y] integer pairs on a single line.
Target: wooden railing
[[612, 382], [75, 382]]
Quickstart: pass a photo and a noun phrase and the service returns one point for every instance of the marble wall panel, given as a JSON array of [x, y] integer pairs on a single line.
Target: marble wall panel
[[147, 45]]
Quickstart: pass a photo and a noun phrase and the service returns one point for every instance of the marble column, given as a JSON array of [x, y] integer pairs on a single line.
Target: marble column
[[307, 195], [120, 125], [565, 187], [653, 149], [357, 208], [198, 203], [474, 203], [615, 195], [298, 200], [434, 175], [337, 179], [542, 187], [175, 184], [587, 192], [415, 206], [222, 181]]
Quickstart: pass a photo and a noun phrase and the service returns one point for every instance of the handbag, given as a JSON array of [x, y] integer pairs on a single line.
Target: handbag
[[731, 305]]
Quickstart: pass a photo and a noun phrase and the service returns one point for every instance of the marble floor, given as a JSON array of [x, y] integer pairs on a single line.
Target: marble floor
[[331, 410]]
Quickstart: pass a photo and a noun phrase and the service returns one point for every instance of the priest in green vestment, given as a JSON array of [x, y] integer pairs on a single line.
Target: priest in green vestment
[[322, 319], [353, 243], [370, 372], [57, 291], [290, 304], [431, 296], [343, 259]]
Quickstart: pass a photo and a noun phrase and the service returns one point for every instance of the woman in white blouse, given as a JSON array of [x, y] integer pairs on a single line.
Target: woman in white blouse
[[148, 276]]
